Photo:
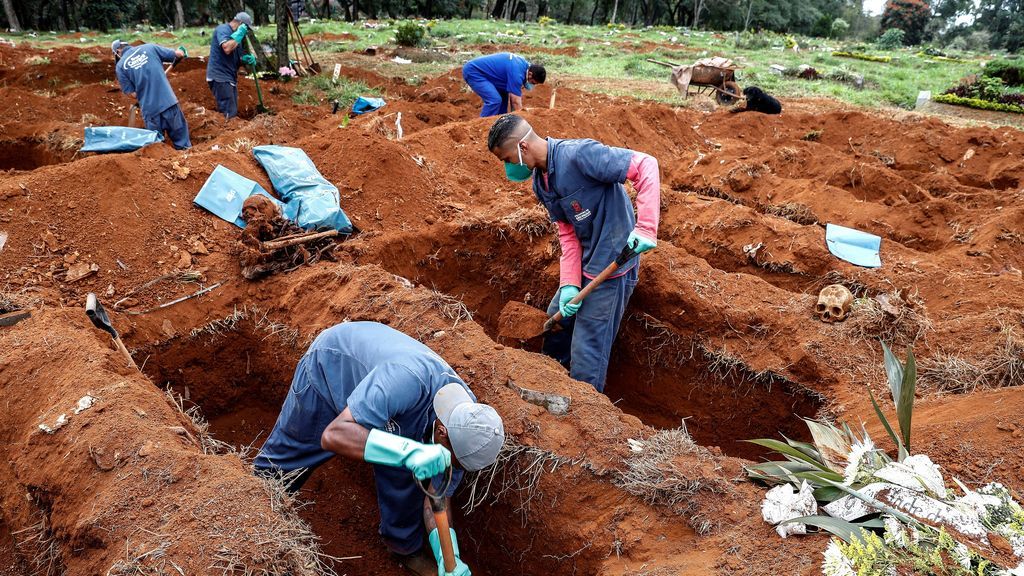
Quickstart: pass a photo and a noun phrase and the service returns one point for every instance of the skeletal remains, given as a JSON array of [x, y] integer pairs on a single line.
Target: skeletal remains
[[833, 303]]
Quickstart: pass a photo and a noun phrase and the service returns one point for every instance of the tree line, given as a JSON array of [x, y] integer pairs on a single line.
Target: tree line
[[965, 24]]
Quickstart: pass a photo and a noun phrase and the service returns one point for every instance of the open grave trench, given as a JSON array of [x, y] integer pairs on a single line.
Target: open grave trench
[[237, 371]]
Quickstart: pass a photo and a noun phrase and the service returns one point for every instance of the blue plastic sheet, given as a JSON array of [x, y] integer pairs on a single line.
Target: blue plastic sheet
[[362, 105], [314, 200], [118, 138], [854, 246], [225, 191]]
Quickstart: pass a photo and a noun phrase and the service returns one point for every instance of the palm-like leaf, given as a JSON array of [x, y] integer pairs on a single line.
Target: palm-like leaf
[[848, 531]]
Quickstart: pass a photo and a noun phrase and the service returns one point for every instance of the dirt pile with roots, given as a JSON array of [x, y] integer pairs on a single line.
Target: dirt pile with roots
[[720, 334]]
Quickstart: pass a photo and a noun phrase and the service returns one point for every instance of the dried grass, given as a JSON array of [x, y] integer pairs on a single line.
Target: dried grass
[[515, 474], [792, 211], [38, 545], [533, 222], [951, 373], [654, 473], [11, 301], [899, 322], [261, 323]]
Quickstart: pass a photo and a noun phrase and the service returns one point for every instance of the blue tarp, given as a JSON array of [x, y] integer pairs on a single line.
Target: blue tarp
[[225, 191], [118, 138], [308, 194], [362, 105], [854, 246]]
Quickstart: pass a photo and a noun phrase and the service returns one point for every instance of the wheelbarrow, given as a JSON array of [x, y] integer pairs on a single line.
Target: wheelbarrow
[[716, 75]]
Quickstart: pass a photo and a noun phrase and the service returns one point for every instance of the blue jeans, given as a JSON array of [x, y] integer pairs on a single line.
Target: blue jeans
[[584, 344], [173, 122], [495, 102], [226, 96]]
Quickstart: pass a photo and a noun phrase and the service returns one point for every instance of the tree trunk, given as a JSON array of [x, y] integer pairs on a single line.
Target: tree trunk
[[179, 15], [281, 20], [12, 16], [593, 13], [698, 5], [499, 10], [615, 11], [572, 11], [746, 22]]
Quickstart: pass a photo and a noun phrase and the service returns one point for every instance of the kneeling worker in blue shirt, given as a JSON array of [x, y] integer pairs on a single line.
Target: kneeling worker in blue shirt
[[369, 392], [141, 74]]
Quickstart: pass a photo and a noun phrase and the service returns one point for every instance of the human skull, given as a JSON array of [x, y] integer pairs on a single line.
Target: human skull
[[833, 303]]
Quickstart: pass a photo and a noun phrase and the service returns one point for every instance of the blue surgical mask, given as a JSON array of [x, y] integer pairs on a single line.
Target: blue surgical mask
[[528, 86], [519, 172]]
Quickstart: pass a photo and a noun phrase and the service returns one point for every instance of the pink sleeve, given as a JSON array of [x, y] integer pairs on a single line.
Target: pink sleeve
[[570, 267], [643, 173]]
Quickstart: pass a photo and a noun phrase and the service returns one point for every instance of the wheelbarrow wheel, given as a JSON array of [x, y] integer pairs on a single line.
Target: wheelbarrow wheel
[[728, 93]]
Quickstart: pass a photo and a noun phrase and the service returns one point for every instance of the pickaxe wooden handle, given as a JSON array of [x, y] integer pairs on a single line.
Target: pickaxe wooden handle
[[620, 260]]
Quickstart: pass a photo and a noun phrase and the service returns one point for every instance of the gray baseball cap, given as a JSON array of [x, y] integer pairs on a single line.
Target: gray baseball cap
[[117, 45], [475, 430], [244, 18]]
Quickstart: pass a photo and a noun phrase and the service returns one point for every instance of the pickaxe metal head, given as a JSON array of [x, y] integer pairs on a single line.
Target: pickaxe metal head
[[95, 311]]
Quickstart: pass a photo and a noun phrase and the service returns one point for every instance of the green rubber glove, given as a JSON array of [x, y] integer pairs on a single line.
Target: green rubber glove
[[435, 544], [183, 51], [249, 60], [565, 294], [424, 460], [239, 35], [640, 244]]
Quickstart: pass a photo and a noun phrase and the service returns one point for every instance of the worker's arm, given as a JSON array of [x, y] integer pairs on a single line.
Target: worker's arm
[[643, 174], [168, 55], [435, 542], [225, 39], [345, 437], [516, 102], [228, 46], [570, 266]]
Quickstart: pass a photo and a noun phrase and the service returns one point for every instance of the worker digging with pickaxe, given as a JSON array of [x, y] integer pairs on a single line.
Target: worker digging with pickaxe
[[369, 392], [141, 75], [226, 47], [580, 183]]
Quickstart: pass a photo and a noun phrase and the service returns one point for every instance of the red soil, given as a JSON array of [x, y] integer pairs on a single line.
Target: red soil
[[717, 333]]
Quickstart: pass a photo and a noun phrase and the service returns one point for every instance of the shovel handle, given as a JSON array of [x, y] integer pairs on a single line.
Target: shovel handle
[[437, 506], [624, 256], [124, 352]]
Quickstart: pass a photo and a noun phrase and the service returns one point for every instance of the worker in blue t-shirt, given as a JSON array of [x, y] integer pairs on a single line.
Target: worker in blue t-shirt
[[369, 392], [141, 74], [499, 80], [226, 49]]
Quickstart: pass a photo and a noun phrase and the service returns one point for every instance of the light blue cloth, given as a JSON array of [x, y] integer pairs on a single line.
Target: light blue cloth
[[118, 138], [225, 191], [854, 246], [309, 195], [363, 105]]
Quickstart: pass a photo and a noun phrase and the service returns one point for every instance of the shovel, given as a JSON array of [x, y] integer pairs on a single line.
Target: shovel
[[260, 108], [520, 321], [95, 311], [437, 506]]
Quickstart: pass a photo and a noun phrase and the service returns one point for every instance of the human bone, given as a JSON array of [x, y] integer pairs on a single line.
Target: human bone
[[833, 303]]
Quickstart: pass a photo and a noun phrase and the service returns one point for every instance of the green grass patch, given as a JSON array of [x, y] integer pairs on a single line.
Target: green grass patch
[[37, 61], [320, 89], [862, 56], [86, 58], [978, 103]]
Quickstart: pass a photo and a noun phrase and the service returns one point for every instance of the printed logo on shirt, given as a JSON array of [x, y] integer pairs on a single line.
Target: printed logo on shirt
[[392, 427], [581, 214], [136, 60]]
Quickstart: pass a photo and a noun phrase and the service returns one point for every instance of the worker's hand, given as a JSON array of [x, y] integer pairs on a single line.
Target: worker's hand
[[182, 52], [239, 35], [435, 544], [423, 460], [248, 59], [565, 294], [640, 243]]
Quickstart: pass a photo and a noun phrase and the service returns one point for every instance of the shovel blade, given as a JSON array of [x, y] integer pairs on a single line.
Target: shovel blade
[[519, 321]]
